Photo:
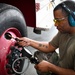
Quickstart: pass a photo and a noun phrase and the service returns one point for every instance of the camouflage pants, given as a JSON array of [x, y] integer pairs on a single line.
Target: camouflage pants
[[50, 57]]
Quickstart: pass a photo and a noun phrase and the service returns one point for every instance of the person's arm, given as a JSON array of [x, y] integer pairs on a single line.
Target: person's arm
[[45, 66], [42, 46]]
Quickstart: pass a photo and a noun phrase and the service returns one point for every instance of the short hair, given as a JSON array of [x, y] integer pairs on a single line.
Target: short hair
[[69, 4]]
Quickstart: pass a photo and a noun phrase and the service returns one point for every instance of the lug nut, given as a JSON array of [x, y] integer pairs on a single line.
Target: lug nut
[[10, 71], [12, 48], [8, 66], [9, 56]]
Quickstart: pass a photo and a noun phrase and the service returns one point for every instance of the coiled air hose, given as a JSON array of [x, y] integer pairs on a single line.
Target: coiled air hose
[[26, 62]]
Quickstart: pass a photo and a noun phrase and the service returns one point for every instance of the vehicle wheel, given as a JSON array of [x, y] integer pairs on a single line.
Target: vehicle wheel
[[11, 21]]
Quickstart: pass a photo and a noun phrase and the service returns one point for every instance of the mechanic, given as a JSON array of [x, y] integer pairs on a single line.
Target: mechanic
[[64, 18]]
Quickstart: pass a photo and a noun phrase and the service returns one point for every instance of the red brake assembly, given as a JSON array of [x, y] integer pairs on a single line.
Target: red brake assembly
[[17, 55]]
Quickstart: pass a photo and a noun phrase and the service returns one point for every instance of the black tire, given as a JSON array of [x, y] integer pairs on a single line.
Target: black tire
[[12, 17]]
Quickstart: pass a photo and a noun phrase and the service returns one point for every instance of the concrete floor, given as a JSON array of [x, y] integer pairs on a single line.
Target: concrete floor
[[44, 36]]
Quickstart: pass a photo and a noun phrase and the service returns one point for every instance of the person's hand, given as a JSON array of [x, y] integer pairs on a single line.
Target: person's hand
[[24, 41], [43, 66]]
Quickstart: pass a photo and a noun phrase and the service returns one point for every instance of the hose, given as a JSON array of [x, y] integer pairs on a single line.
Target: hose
[[24, 69]]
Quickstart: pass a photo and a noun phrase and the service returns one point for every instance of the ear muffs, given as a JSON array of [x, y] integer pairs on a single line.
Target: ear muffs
[[71, 17], [71, 20]]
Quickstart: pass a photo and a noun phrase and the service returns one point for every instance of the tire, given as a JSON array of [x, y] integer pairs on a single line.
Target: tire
[[11, 19], [11, 16]]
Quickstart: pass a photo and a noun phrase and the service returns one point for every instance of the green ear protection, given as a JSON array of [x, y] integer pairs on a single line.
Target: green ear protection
[[71, 17]]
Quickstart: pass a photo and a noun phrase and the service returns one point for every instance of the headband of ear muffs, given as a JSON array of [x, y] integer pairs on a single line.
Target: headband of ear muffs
[[71, 17]]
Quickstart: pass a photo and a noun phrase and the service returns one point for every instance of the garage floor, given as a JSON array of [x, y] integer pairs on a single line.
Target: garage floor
[[44, 36]]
